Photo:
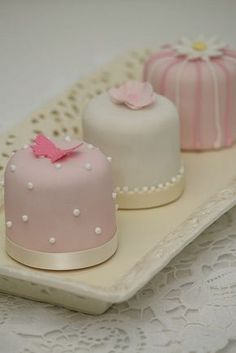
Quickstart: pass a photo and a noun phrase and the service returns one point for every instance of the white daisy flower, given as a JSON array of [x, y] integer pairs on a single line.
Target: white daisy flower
[[201, 48]]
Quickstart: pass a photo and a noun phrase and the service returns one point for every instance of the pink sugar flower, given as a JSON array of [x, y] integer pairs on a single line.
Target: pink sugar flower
[[134, 94]]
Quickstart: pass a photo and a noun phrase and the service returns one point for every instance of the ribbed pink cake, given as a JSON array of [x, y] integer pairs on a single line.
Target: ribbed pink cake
[[60, 215], [200, 78]]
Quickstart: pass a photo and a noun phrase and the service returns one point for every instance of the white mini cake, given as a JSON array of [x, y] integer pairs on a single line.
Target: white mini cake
[[139, 132]]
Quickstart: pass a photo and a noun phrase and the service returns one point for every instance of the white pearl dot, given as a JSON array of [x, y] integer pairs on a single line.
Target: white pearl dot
[[58, 165], [173, 179], [2, 183], [25, 218], [109, 159], [12, 167], [9, 224], [114, 195], [25, 147], [145, 188], [88, 166], [136, 189], [52, 240], [117, 189], [153, 188], [160, 186], [67, 138], [76, 212], [13, 152], [91, 147], [167, 184], [126, 188], [30, 185], [181, 170], [117, 206], [98, 230]]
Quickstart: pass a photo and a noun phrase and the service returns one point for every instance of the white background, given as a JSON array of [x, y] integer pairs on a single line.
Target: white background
[[190, 306]]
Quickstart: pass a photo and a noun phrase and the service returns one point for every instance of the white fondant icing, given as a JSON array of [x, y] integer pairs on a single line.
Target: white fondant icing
[[9, 224], [98, 230], [136, 139], [25, 218], [12, 167], [76, 212], [30, 185]]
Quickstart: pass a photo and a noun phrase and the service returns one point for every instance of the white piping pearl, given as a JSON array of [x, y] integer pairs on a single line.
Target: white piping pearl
[[30, 185], [25, 147], [25, 218], [52, 240], [98, 230], [2, 183], [114, 195], [12, 167], [88, 166], [58, 165], [9, 224], [68, 138], [91, 147], [109, 159], [76, 212], [126, 188]]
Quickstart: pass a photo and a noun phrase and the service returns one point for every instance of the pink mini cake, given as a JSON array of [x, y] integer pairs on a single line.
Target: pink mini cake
[[200, 78], [59, 205]]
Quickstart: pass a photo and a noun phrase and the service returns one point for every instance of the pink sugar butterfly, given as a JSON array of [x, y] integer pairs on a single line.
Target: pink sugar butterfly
[[44, 147]]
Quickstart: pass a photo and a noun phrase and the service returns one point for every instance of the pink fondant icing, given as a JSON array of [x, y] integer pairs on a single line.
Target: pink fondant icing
[[65, 201], [206, 95]]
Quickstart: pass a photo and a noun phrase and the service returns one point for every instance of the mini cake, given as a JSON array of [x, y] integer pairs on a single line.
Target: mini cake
[[139, 131], [59, 205], [200, 78]]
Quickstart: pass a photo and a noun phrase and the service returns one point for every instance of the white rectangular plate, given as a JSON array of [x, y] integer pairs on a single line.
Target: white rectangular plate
[[148, 239]]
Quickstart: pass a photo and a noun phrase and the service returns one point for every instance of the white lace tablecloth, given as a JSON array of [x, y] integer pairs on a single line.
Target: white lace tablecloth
[[189, 307]]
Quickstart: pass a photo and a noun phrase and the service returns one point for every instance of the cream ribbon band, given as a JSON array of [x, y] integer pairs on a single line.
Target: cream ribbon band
[[62, 261]]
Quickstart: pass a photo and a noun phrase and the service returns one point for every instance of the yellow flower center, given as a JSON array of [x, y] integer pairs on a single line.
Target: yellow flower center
[[199, 46]]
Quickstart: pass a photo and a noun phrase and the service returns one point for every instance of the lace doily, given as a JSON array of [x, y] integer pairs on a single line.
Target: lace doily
[[189, 307]]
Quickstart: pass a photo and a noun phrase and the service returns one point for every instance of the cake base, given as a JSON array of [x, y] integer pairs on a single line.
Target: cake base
[[62, 261], [152, 197]]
